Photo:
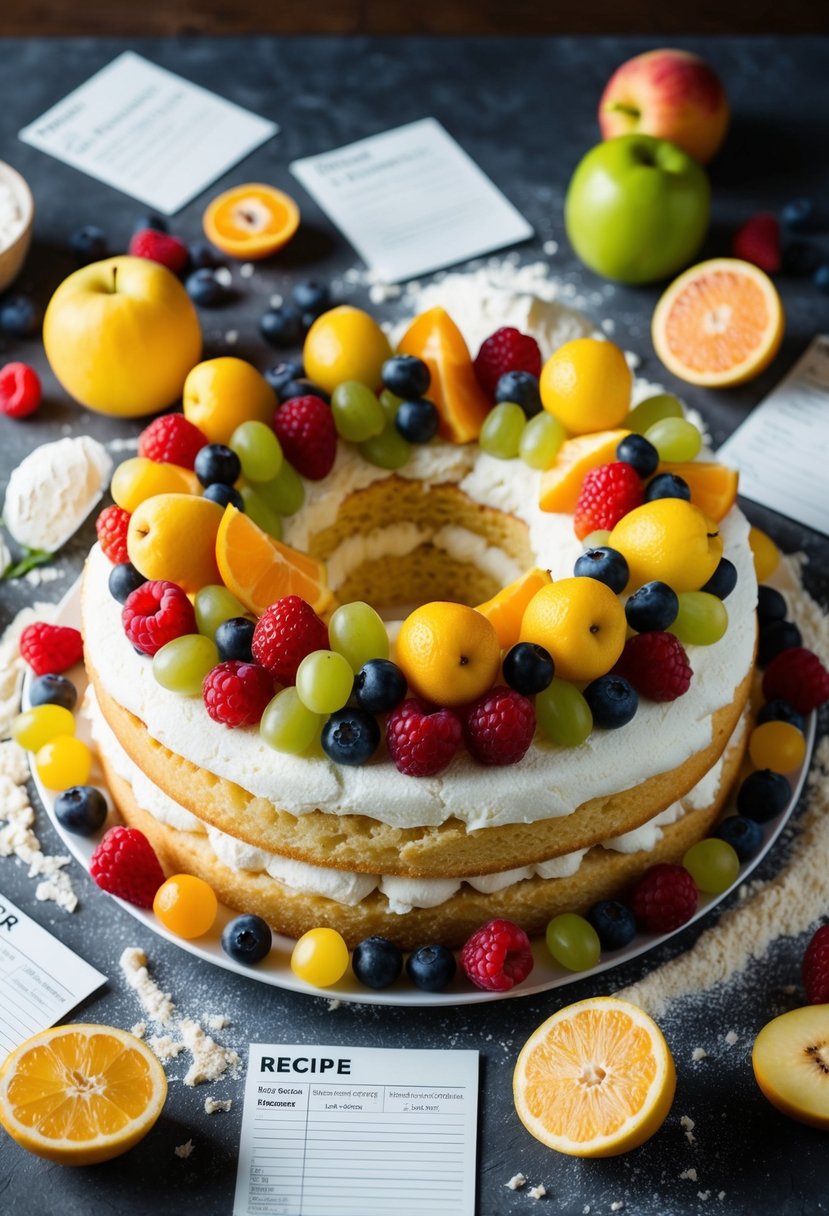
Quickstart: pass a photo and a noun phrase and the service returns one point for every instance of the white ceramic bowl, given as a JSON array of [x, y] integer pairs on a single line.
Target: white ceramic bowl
[[13, 253]]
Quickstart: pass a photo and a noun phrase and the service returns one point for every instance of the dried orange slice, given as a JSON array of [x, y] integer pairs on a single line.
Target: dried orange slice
[[251, 221], [720, 323], [506, 609], [259, 570], [81, 1094], [561, 483], [595, 1080], [713, 486]]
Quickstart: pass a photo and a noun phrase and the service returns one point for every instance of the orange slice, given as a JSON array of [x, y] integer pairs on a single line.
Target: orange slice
[[435, 338], [506, 609], [251, 221], [81, 1094], [713, 486], [720, 323], [595, 1080], [561, 484], [259, 570]]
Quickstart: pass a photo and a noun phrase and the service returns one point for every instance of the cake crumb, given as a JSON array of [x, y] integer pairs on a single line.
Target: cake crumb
[[617, 1205], [516, 1182], [699, 1053], [139, 1030], [721, 1196], [550, 248], [213, 1106], [731, 1038], [247, 270], [157, 1005], [184, 1150], [537, 1192], [334, 1003], [703, 1195], [223, 276], [165, 1047], [689, 1175], [215, 1021], [688, 1125], [210, 1060]]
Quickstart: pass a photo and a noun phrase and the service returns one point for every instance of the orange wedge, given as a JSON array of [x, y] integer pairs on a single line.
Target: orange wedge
[[595, 1080], [561, 484], [435, 338], [505, 610], [720, 323], [251, 221], [713, 486], [259, 570]]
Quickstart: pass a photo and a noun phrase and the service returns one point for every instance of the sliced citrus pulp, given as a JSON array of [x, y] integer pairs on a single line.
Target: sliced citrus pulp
[[720, 323], [506, 609], [713, 486], [561, 483], [81, 1094], [595, 1080], [258, 569], [251, 221], [435, 338]]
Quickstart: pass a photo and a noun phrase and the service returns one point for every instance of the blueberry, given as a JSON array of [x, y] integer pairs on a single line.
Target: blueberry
[[81, 809], [606, 565], [204, 288], [203, 256], [667, 485], [744, 835], [763, 795], [778, 710], [417, 421], [311, 298], [89, 244], [376, 962], [123, 580], [654, 606], [218, 492], [798, 214], [379, 686], [247, 939], [775, 638], [283, 373], [723, 581], [217, 462], [281, 326], [771, 605], [431, 968], [19, 317], [233, 639], [821, 278], [53, 690], [302, 388], [638, 452], [406, 376], [153, 222], [528, 668], [350, 736], [613, 701], [614, 923], [522, 388]]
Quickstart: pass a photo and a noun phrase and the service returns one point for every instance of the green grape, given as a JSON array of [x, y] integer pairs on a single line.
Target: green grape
[[261, 513], [702, 618], [36, 726], [540, 441], [502, 430], [713, 864], [357, 413], [652, 410], [573, 942], [390, 404], [285, 494], [287, 725], [182, 664], [596, 540], [214, 604], [388, 450], [258, 449], [357, 632], [324, 681], [675, 439], [563, 714]]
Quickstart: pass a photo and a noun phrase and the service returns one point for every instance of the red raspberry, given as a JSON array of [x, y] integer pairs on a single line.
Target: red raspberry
[[498, 956], [607, 494], [816, 968], [507, 350], [111, 526], [422, 743], [50, 649], [287, 632], [125, 864], [664, 898], [159, 247], [305, 428], [236, 693], [499, 727], [20, 390], [155, 613], [656, 665], [171, 439], [758, 242], [798, 676]]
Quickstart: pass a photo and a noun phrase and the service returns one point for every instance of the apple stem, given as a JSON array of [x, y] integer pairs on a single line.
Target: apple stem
[[114, 278], [620, 107]]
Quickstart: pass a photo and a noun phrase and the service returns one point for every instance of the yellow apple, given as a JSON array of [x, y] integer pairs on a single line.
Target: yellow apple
[[173, 536], [220, 394]]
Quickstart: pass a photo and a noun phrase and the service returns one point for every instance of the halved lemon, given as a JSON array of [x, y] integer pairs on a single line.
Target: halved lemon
[[720, 323], [251, 221], [80, 1094], [595, 1080]]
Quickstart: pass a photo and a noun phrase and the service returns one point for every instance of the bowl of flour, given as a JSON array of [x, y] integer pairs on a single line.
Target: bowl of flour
[[17, 211]]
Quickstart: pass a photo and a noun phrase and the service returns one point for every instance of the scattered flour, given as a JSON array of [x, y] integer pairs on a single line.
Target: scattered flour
[[689, 1175], [210, 1060], [215, 1021], [703, 1195], [516, 1182], [223, 276], [184, 1150], [699, 1053], [617, 1205], [334, 1002], [731, 1038], [157, 1005], [165, 1047], [537, 1192], [688, 1125], [139, 1030], [247, 270], [213, 1106]]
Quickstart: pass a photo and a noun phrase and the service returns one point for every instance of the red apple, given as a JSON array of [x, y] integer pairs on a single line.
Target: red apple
[[670, 94]]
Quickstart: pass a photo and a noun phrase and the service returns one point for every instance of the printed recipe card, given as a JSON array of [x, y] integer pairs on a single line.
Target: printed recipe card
[[328, 1131]]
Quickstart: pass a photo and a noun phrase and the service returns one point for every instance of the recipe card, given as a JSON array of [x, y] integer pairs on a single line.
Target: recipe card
[[329, 1130], [148, 132], [41, 980], [411, 200], [782, 448]]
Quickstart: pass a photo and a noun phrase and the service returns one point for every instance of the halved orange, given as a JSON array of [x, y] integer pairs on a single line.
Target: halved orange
[[561, 483], [462, 404], [505, 610], [720, 323], [713, 486], [258, 569], [251, 221], [595, 1080]]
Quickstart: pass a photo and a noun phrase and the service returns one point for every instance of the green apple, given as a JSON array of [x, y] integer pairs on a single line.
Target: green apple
[[637, 208]]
